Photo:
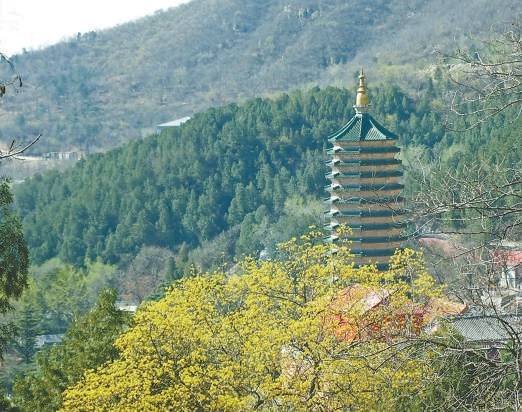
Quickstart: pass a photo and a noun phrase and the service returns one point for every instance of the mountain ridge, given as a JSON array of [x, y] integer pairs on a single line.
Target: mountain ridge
[[98, 90]]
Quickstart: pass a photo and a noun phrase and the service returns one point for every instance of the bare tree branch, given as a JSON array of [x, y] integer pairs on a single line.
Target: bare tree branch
[[488, 81], [16, 150]]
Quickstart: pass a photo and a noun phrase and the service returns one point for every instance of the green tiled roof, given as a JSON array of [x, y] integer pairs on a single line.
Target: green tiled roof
[[358, 150], [375, 239], [367, 213], [373, 252], [362, 127], [372, 162], [381, 173], [375, 187]]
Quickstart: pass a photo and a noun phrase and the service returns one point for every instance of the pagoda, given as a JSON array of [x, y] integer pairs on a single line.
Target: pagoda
[[365, 186]]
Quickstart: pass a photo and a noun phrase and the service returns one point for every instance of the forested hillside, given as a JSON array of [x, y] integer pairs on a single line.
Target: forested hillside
[[234, 166], [239, 167], [211, 233], [100, 89]]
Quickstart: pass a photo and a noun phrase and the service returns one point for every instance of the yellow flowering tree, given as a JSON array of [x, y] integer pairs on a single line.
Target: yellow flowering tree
[[307, 331]]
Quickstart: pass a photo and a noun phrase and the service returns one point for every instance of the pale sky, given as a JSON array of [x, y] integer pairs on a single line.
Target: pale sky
[[35, 23]]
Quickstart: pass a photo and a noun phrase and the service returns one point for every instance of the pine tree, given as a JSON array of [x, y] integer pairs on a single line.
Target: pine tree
[[27, 329]]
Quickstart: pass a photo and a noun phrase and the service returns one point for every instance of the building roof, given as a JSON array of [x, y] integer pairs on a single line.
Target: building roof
[[508, 258], [486, 328], [127, 307], [348, 306], [42, 340], [173, 123], [362, 127]]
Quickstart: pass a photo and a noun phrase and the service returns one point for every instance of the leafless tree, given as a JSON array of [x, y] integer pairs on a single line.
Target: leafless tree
[[12, 82], [473, 213], [487, 81], [477, 200]]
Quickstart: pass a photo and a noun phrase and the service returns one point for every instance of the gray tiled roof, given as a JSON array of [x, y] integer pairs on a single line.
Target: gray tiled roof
[[487, 328]]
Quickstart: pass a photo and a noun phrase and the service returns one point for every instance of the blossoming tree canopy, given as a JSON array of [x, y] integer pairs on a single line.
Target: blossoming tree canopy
[[273, 335]]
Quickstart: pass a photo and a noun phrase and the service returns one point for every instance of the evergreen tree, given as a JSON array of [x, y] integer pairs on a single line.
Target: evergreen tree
[[27, 329], [87, 344]]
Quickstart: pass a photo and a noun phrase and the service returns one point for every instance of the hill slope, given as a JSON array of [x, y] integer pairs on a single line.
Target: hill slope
[[230, 167], [101, 89]]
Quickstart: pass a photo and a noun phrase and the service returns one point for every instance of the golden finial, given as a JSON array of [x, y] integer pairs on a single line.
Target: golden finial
[[362, 98]]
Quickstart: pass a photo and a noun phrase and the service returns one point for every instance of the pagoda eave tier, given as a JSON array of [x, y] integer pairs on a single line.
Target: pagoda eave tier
[[365, 175], [365, 187], [360, 187], [358, 201], [364, 213], [372, 162], [359, 149]]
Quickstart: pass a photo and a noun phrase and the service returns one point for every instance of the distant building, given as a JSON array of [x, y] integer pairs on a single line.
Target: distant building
[[78, 155], [172, 123], [488, 333], [365, 188], [508, 257], [44, 340], [126, 307]]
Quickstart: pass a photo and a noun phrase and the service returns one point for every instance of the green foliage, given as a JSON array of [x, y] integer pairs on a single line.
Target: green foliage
[[87, 344], [14, 256], [231, 168], [194, 182], [6, 405], [27, 329], [58, 293], [257, 233], [14, 261]]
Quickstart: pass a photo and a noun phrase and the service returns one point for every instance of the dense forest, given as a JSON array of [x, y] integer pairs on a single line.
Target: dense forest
[[230, 167], [236, 169], [233, 180], [192, 261], [100, 89]]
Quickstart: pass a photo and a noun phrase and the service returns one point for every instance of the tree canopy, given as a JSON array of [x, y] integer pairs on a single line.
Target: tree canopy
[[230, 166], [87, 344], [300, 332]]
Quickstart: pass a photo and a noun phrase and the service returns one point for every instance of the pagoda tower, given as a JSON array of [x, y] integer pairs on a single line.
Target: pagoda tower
[[365, 186]]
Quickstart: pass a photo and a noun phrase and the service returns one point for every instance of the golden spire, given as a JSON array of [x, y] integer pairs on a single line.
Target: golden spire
[[362, 98]]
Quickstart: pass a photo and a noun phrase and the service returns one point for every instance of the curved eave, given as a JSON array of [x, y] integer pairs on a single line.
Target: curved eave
[[384, 173], [359, 201], [366, 213], [375, 188], [365, 239], [385, 253], [362, 127], [329, 188], [385, 149], [372, 162], [332, 162], [373, 252], [374, 239], [331, 239], [376, 226]]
